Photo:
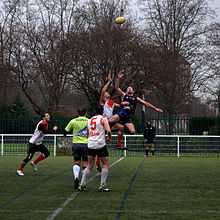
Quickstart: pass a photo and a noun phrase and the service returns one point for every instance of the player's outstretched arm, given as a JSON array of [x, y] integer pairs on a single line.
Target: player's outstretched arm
[[117, 83], [149, 105], [104, 89]]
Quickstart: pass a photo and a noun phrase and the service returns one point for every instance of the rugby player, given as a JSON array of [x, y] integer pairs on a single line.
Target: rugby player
[[35, 145]]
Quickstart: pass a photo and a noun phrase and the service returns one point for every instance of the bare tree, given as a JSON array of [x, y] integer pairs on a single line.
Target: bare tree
[[39, 60], [175, 68], [102, 46]]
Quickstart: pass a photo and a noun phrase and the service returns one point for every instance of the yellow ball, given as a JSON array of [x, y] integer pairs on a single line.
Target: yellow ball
[[120, 20]]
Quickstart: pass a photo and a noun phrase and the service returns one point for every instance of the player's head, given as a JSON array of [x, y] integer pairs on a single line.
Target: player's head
[[130, 90], [106, 96], [46, 116], [81, 111]]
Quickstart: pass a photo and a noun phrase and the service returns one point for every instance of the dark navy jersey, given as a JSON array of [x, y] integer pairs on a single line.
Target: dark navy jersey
[[132, 100], [149, 133]]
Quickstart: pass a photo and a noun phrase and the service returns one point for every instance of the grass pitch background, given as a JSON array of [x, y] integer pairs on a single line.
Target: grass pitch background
[[157, 188]]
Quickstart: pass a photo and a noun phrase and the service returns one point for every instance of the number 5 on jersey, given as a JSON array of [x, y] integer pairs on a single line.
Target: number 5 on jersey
[[93, 123]]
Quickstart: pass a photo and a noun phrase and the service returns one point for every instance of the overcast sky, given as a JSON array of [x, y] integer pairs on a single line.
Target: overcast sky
[[215, 4]]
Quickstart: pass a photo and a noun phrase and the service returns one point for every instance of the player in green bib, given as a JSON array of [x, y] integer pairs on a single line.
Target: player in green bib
[[78, 127]]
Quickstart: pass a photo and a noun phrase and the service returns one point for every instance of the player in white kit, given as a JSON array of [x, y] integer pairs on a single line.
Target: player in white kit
[[97, 126], [108, 105], [35, 145]]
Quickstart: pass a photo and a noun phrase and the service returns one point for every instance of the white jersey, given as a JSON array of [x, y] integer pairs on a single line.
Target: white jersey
[[38, 135], [108, 108], [96, 139]]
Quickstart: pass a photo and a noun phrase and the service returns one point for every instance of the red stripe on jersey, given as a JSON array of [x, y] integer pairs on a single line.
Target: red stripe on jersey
[[110, 103]]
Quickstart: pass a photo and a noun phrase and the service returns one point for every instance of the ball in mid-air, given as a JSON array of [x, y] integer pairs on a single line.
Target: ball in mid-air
[[120, 20]]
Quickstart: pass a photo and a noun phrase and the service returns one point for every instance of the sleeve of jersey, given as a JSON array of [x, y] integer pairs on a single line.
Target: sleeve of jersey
[[69, 127]]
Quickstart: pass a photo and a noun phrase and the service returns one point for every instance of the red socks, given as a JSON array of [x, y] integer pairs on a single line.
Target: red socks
[[120, 139], [39, 158], [21, 166]]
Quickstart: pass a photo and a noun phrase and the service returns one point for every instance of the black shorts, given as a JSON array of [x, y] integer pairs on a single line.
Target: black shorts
[[80, 151], [102, 152], [33, 148], [149, 141]]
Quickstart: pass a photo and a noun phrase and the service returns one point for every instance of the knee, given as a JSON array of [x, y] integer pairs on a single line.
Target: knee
[[46, 154], [26, 160]]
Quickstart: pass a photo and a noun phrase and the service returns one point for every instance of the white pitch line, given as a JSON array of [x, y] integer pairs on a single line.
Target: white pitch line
[[74, 195]]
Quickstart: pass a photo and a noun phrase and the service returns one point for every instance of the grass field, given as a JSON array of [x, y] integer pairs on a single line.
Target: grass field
[[156, 188]]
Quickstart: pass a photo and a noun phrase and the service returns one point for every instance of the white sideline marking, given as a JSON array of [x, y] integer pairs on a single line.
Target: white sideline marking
[[74, 195]]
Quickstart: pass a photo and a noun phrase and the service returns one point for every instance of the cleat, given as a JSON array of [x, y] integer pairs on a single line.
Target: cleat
[[20, 173], [82, 188], [76, 183], [104, 189], [34, 166]]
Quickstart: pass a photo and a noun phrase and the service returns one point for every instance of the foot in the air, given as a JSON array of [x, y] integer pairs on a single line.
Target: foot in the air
[[20, 173], [34, 166], [76, 183]]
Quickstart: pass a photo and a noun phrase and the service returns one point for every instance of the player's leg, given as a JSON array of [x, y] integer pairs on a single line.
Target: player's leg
[[115, 118], [87, 171], [146, 146], [44, 154], [120, 128], [105, 169], [84, 157], [30, 153], [130, 127], [76, 152], [152, 149], [98, 164]]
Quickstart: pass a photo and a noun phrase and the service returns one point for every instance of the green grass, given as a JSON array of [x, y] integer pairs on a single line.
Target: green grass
[[157, 188]]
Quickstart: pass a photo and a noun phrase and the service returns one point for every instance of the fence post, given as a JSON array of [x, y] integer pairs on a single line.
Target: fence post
[[178, 146], [2, 146], [125, 146], [55, 146]]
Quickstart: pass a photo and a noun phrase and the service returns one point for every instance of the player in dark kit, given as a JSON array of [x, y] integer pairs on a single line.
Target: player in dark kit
[[35, 145], [149, 136], [128, 106]]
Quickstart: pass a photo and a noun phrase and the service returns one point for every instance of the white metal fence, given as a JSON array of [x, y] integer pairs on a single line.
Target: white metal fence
[[176, 145]]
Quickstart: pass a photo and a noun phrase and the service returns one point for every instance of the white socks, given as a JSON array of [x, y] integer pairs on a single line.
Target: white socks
[[85, 176], [76, 171], [104, 175]]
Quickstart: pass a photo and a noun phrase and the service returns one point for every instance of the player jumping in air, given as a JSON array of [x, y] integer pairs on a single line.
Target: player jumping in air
[[128, 106], [108, 106], [35, 145]]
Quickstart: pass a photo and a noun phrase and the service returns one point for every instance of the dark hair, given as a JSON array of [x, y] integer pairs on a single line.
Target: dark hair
[[43, 115], [98, 110], [81, 111]]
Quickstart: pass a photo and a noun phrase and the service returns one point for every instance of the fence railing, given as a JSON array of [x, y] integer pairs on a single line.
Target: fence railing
[[174, 145]]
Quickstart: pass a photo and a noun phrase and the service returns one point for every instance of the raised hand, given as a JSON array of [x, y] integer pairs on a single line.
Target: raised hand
[[109, 77], [159, 110], [120, 74]]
